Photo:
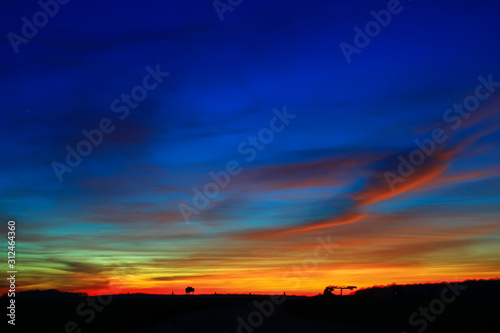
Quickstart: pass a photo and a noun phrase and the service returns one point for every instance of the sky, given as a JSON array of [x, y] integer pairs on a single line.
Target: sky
[[264, 146]]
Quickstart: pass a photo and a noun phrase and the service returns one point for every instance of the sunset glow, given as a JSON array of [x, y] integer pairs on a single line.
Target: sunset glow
[[173, 149]]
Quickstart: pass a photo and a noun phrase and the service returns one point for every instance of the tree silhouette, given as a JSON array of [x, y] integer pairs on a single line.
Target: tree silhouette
[[189, 290], [328, 291]]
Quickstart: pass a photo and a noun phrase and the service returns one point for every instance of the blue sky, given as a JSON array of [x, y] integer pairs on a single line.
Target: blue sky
[[322, 175]]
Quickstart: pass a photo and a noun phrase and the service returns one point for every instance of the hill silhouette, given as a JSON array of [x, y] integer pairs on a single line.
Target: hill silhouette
[[49, 293], [488, 289], [384, 309]]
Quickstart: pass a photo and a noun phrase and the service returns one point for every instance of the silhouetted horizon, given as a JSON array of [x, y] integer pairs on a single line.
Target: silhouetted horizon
[[493, 283], [250, 166]]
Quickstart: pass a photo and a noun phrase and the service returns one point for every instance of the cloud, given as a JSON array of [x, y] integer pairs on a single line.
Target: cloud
[[378, 189], [179, 277]]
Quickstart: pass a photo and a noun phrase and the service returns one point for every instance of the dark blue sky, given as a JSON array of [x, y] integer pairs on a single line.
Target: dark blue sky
[[325, 169]]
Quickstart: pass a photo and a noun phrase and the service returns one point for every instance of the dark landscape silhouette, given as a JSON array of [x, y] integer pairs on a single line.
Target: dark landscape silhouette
[[375, 309], [250, 166]]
